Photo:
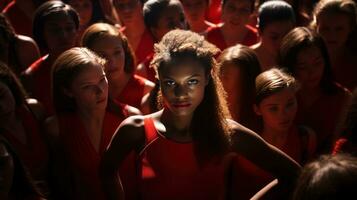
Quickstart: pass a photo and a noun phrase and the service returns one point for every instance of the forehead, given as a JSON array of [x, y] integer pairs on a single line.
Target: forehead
[[279, 96], [106, 42], [182, 67], [61, 17], [89, 72], [309, 52], [333, 18], [279, 26]]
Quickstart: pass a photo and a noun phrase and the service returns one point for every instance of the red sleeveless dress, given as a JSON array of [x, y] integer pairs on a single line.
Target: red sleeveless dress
[[170, 170], [34, 153], [83, 159]]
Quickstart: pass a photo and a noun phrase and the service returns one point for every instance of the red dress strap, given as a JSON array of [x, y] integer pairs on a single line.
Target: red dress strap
[[150, 130]]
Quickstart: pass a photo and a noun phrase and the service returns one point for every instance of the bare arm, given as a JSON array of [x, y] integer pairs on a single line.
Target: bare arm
[[28, 51], [249, 144], [128, 137]]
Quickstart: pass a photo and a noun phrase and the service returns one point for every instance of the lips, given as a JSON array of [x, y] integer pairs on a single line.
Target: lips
[[181, 105]]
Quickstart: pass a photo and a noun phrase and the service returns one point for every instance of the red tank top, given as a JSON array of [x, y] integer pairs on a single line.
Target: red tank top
[[34, 153], [18, 19], [38, 82], [133, 92], [83, 158], [169, 170]]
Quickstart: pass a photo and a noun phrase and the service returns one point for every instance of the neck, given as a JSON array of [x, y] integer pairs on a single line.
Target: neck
[[116, 86], [91, 117], [275, 137], [134, 29], [233, 35], [198, 26], [178, 124]]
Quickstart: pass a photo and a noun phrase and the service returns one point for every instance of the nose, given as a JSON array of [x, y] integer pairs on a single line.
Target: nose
[[180, 91]]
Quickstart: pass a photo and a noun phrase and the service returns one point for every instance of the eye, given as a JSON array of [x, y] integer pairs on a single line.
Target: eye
[[273, 108], [192, 82], [169, 83]]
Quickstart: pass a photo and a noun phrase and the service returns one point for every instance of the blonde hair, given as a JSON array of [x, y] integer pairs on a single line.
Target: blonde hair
[[100, 31], [65, 69]]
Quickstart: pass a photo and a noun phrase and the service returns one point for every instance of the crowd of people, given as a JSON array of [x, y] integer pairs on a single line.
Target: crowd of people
[[178, 99]]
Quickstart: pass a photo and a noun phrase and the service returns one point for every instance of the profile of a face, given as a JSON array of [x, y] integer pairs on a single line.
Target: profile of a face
[[183, 85]]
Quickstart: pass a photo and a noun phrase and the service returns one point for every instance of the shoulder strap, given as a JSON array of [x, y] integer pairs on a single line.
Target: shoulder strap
[[150, 130]]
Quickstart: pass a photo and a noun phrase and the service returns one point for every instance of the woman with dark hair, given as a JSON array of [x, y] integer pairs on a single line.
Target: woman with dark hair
[[15, 183], [89, 12], [55, 27], [336, 22], [20, 124], [330, 177], [321, 100], [275, 19], [182, 150], [124, 86], [17, 51]]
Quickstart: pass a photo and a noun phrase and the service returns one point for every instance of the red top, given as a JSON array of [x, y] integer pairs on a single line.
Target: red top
[[83, 158], [170, 170], [323, 116], [133, 91], [215, 36], [343, 145], [145, 46], [214, 11], [34, 152], [296, 146], [38, 82], [150, 72], [18, 19]]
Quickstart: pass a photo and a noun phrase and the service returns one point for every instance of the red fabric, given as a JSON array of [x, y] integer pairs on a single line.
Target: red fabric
[[244, 170], [343, 145], [34, 152], [38, 82], [323, 117], [150, 72], [169, 170], [21, 23], [215, 36], [214, 11], [145, 46], [133, 92], [83, 158]]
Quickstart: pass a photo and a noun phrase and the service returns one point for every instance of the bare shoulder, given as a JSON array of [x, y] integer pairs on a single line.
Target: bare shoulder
[[37, 108], [132, 111], [26, 42], [51, 126]]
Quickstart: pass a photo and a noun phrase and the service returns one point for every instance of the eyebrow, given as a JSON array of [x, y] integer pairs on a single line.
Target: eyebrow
[[194, 75]]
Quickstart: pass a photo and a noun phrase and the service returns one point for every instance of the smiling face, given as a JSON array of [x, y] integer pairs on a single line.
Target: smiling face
[[278, 110], [6, 172], [111, 48], [90, 89], [309, 67], [183, 86]]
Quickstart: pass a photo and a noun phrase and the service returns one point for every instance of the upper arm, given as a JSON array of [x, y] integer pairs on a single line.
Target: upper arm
[[127, 138], [28, 51], [264, 155], [148, 86]]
